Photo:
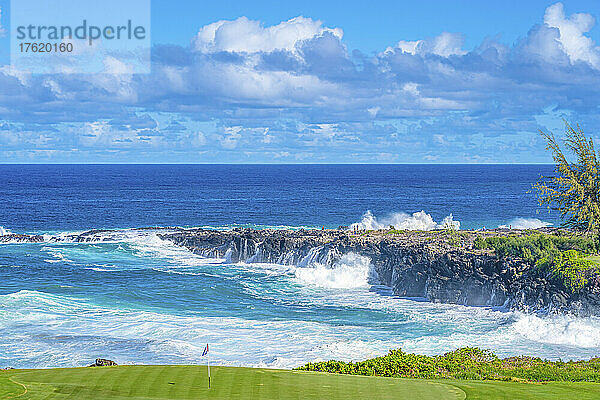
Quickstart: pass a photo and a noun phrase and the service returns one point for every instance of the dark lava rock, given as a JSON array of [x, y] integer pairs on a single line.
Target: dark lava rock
[[426, 264], [101, 362], [16, 237]]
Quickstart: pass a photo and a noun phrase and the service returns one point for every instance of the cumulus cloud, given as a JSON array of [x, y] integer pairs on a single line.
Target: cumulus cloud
[[444, 45], [243, 35], [571, 34], [295, 88]]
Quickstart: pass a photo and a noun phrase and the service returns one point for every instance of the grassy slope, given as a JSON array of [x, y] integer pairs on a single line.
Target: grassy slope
[[491, 390], [188, 382]]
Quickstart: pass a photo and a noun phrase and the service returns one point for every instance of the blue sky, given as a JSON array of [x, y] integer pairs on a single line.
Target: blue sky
[[320, 82]]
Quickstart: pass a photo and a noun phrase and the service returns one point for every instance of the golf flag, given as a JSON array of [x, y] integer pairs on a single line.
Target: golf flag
[[205, 353]]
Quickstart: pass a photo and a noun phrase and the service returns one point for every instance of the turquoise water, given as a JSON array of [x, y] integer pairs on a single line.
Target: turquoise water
[[135, 298]]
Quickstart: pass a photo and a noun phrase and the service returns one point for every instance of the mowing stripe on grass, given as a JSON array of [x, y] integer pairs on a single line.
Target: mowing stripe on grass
[[190, 382]]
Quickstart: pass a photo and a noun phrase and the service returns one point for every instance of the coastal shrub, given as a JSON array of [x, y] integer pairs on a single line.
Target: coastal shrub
[[562, 255], [573, 268], [394, 232], [454, 238], [574, 188], [464, 363]]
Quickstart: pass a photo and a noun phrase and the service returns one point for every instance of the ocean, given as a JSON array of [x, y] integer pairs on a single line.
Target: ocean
[[138, 299]]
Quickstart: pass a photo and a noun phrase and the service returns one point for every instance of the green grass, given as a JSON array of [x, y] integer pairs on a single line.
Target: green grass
[[189, 382], [492, 390]]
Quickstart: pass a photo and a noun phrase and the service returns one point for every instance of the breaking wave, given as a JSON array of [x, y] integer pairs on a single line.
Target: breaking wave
[[419, 221], [4, 231], [525, 223], [349, 272], [59, 330], [253, 314], [560, 329]]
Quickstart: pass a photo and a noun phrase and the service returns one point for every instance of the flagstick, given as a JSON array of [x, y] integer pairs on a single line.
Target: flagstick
[[208, 365]]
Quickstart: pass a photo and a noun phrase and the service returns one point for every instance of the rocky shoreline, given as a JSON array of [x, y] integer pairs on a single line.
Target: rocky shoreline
[[436, 265], [439, 266]]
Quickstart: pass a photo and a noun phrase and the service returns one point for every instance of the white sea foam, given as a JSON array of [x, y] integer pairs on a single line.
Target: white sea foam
[[100, 269], [419, 221], [123, 250], [46, 330], [43, 330], [563, 329], [63, 237], [350, 271], [525, 223], [253, 226], [152, 246], [56, 253], [4, 231], [73, 332]]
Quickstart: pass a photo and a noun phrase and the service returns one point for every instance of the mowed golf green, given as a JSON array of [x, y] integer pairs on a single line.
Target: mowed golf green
[[186, 382], [190, 382]]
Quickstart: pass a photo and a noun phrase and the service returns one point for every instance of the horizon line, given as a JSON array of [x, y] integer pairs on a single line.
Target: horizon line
[[217, 163]]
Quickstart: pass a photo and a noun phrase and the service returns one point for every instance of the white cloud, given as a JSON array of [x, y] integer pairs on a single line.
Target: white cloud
[[412, 88], [446, 44], [2, 30], [277, 87], [571, 34], [93, 132], [23, 76], [115, 66], [408, 46], [231, 137], [102, 134], [198, 139], [439, 139], [56, 89], [373, 111], [245, 35], [266, 137], [310, 93]]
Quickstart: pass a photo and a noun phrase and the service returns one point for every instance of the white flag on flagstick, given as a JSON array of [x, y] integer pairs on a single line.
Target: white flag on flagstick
[[205, 353]]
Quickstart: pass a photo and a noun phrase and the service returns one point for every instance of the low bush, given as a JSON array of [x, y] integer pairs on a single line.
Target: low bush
[[562, 255], [464, 363]]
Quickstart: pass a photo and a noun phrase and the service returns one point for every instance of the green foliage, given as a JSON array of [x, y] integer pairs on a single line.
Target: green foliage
[[394, 232], [574, 190], [574, 268], [564, 256], [454, 238], [465, 363]]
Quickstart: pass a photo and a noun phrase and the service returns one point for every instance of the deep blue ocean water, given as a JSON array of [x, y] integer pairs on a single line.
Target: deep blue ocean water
[[138, 299], [71, 197]]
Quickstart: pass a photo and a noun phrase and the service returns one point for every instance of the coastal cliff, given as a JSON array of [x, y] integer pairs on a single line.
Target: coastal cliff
[[439, 266], [434, 265]]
